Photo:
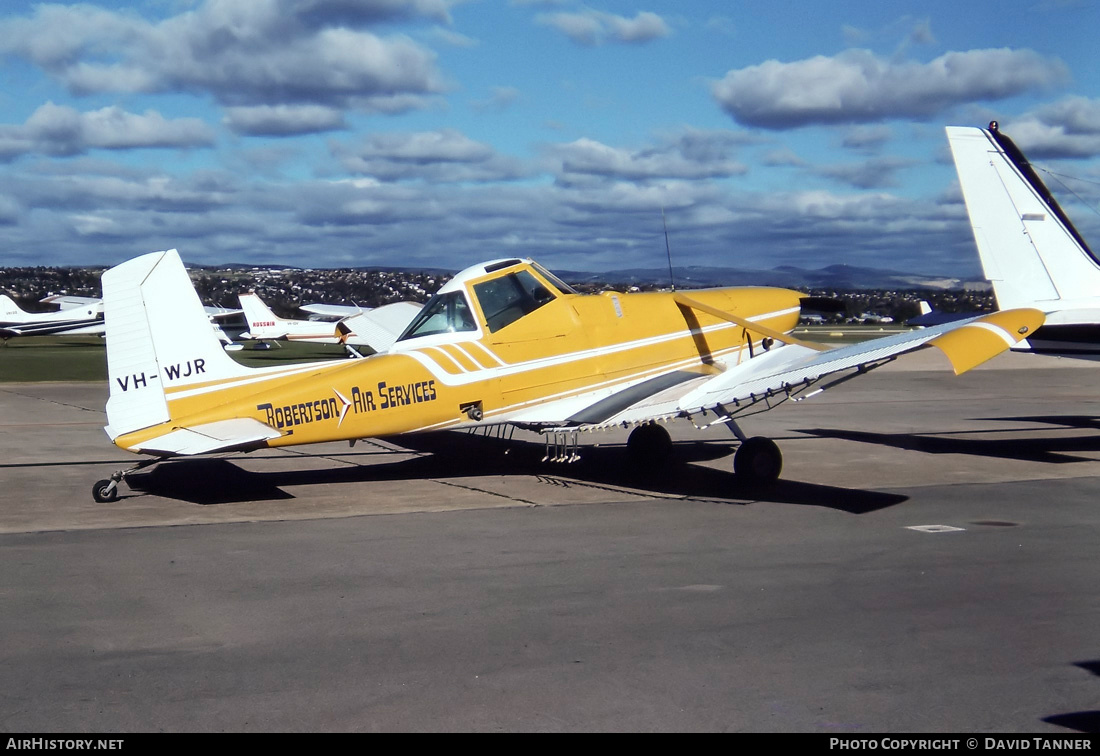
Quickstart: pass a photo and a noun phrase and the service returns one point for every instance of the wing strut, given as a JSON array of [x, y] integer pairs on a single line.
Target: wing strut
[[748, 325]]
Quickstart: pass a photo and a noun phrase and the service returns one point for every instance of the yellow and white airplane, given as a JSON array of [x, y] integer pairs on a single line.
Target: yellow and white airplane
[[504, 342]]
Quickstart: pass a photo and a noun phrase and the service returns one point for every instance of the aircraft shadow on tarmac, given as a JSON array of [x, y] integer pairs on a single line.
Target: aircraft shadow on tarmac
[[452, 455], [1029, 446], [1081, 721]]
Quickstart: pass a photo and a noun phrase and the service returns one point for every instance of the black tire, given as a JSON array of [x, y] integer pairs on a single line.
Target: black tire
[[103, 491], [649, 445], [758, 460]]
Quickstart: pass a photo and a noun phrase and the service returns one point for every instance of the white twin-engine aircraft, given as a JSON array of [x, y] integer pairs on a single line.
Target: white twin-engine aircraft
[[504, 342], [1029, 248], [78, 315]]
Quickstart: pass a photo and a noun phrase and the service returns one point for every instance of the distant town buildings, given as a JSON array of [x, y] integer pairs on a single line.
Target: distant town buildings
[[285, 289]]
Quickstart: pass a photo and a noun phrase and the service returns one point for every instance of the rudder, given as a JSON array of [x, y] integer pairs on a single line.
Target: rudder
[[262, 322], [1029, 248], [158, 337]]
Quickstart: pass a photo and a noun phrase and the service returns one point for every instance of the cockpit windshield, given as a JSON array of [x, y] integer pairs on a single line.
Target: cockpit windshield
[[444, 313], [561, 285], [508, 298]]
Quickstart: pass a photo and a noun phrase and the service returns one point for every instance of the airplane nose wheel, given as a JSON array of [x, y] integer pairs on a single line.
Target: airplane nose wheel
[[758, 460]]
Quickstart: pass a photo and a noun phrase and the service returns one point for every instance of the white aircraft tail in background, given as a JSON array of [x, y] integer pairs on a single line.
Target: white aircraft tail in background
[[1029, 248]]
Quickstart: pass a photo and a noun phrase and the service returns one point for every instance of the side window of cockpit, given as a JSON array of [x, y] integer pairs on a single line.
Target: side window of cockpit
[[433, 319], [444, 313], [506, 299], [461, 317]]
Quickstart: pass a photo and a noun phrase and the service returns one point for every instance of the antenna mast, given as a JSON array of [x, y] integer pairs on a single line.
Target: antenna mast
[[668, 250]]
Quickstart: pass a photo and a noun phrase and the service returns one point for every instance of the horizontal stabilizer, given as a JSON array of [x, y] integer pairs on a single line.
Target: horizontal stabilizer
[[325, 311], [68, 302], [224, 435]]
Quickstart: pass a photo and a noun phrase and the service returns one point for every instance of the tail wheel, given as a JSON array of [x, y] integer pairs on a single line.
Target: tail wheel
[[758, 460], [649, 445], [104, 491]]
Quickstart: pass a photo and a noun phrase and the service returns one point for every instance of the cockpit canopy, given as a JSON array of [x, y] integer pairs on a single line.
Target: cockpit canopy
[[503, 299]]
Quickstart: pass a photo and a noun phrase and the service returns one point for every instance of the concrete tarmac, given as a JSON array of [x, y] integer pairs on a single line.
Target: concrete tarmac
[[929, 563]]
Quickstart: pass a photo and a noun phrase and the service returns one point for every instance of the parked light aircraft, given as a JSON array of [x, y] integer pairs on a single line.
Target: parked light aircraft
[[77, 318], [376, 328], [81, 315], [504, 342], [1028, 246], [263, 324]]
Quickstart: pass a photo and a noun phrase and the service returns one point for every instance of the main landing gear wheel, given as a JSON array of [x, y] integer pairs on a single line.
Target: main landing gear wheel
[[758, 460], [104, 491], [649, 445]]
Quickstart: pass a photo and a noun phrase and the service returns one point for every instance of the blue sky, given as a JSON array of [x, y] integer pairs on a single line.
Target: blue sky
[[332, 133]]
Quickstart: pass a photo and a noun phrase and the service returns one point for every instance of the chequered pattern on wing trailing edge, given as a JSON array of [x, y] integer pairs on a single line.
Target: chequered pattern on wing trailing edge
[[986, 337]]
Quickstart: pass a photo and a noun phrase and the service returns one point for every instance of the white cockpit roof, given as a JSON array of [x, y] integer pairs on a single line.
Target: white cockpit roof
[[479, 270]]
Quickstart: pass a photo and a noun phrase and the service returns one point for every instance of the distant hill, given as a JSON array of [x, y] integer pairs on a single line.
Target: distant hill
[[367, 268], [840, 276], [830, 277]]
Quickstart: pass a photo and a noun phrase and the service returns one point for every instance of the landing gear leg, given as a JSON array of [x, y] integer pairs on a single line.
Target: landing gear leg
[[649, 445], [107, 490]]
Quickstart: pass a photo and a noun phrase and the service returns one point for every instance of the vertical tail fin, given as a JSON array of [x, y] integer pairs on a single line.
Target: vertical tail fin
[[158, 338], [262, 322], [11, 311], [1029, 248]]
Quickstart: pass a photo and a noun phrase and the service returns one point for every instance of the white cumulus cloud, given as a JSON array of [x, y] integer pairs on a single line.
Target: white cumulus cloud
[[240, 52], [442, 156], [592, 27], [61, 130], [1069, 128], [857, 86]]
